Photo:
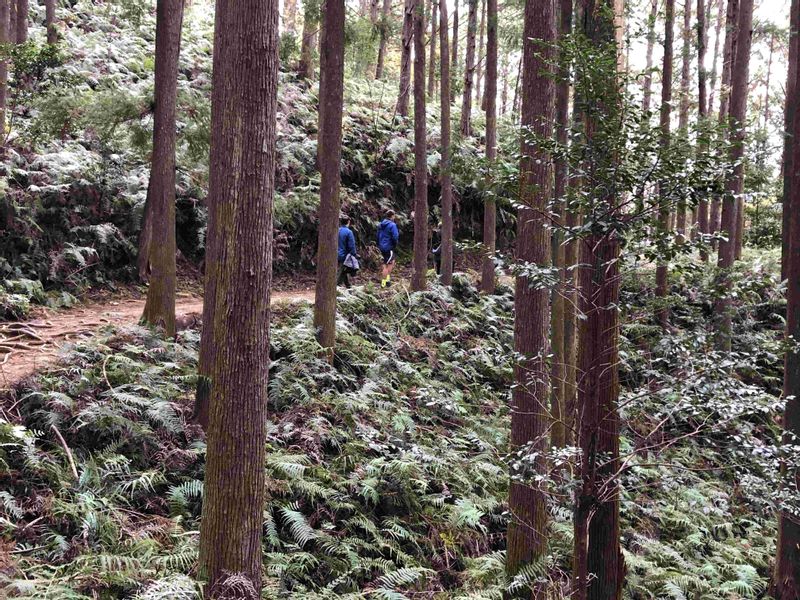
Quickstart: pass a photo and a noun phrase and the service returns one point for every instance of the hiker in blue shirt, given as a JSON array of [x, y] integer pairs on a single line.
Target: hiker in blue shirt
[[387, 242], [348, 260]]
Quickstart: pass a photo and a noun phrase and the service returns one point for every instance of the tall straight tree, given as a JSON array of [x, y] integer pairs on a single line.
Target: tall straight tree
[[686, 64], [405, 58], [447, 178], [384, 27], [432, 59], [728, 55], [50, 21], [527, 538], [735, 180], [469, 70], [12, 21], [560, 432], [241, 185], [311, 10], [702, 110], [712, 84], [419, 274], [22, 21], [490, 206], [571, 220], [596, 523], [3, 68], [329, 156], [454, 53], [666, 111], [728, 58], [159, 250], [788, 140], [785, 583], [651, 42], [480, 56], [683, 109]]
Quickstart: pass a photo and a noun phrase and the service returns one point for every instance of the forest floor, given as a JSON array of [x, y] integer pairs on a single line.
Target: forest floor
[[27, 346]]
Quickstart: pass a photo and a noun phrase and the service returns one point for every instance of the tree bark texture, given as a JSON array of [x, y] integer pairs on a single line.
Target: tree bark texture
[[662, 313], [728, 57], [384, 27], [702, 110], [12, 21], [447, 178], [560, 433], [735, 180], [432, 59], [311, 10], [469, 70], [454, 53], [651, 42], [715, 59], [788, 140], [683, 114], [785, 583], [420, 261], [527, 537], [596, 524], [22, 21], [159, 308], [50, 21], [329, 156], [243, 138], [490, 204], [3, 69], [480, 55], [405, 58]]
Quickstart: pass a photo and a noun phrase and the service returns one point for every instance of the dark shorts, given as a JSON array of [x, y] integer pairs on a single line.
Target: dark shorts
[[388, 256]]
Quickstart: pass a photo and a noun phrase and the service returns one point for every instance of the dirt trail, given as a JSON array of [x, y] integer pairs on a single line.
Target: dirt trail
[[27, 346]]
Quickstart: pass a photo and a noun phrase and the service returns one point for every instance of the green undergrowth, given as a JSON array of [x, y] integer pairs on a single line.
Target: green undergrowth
[[17, 296], [387, 472], [74, 182]]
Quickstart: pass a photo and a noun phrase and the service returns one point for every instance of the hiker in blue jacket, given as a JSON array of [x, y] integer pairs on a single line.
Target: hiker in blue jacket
[[348, 259], [387, 242]]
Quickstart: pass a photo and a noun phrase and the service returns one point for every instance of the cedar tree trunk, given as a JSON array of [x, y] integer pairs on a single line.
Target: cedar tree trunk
[[527, 537], [788, 145], [447, 178], [419, 274], [241, 185], [329, 155], [432, 59], [490, 206], [786, 577], [559, 433], [22, 21], [405, 58], [469, 70], [702, 109], [384, 28], [662, 314], [159, 309], [596, 522], [735, 181]]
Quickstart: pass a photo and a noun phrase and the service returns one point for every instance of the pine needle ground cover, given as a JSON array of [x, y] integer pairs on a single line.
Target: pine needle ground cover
[[387, 472]]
